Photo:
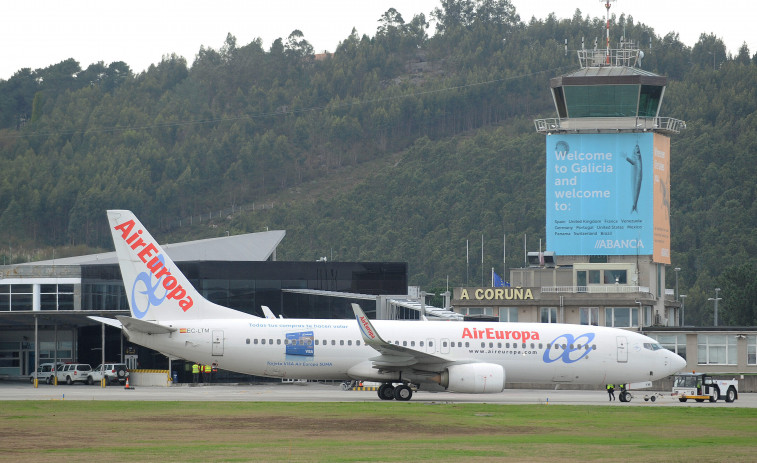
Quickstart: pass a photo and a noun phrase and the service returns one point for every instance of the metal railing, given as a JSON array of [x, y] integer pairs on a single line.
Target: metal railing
[[598, 289], [608, 124]]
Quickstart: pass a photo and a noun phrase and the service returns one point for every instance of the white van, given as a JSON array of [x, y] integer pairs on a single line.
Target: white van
[[44, 372]]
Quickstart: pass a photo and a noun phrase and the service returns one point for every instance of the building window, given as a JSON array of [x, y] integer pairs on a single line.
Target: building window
[[549, 314], [716, 349], [508, 314], [673, 342], [616, 277], [590, 316], [480, 311], [751, 350], [622, 317]]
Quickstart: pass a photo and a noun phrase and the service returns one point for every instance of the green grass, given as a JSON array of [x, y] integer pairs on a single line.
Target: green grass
[[381, 431]]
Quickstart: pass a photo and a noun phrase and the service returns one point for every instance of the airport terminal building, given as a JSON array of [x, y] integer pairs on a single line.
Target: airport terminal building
[[51, 301]]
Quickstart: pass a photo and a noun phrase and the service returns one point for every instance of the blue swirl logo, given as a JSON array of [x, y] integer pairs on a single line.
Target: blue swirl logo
[[145, 278], [570, 353]]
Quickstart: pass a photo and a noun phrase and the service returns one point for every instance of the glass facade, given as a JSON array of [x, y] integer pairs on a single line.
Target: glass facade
[[602, 100], [18, 297], [245, 286]]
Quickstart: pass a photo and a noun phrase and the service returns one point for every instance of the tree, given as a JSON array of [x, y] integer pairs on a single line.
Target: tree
[[739, 292]]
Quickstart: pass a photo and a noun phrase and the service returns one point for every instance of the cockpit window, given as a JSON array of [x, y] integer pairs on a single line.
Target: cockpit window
[[652, 346]]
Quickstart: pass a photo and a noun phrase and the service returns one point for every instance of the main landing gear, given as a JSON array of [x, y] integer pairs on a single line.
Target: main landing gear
[[401, 392]]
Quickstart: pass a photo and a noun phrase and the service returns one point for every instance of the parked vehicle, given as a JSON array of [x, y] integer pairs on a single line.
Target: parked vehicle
[[73, 372], [110, 371], [44, 372]]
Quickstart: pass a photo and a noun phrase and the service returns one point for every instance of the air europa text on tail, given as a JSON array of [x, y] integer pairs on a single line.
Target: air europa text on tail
[[174, 290]]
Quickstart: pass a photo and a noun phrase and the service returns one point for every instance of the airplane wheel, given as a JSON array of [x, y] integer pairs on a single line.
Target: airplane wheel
[[622, 396], [628, 396], [682, 399], [730, 395], [386, 391], [653, 398], [403, 392]]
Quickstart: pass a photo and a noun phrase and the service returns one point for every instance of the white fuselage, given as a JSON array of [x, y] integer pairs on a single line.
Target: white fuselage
[[335, 350]]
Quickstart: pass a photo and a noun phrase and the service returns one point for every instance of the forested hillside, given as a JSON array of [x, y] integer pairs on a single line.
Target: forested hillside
[[397, 146]]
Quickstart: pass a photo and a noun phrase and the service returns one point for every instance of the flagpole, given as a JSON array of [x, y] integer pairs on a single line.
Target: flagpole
[[504, 256], [482, 260], [467, 263]]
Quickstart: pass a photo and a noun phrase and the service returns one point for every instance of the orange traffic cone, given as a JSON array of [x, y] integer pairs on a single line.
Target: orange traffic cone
[[126, 386]]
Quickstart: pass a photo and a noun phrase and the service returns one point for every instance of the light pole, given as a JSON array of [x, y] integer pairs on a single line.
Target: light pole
[[677, 269], [683, 309], [716, 299]]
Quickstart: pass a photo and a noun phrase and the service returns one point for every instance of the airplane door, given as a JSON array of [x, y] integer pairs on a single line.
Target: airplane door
[[622, 349], [217, 342]]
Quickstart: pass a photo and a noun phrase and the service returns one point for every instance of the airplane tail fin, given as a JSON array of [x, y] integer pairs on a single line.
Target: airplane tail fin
[[155, 287]]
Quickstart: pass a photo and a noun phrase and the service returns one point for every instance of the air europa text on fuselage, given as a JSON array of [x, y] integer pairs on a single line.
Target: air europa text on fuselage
[[155, 265], [491, 333]]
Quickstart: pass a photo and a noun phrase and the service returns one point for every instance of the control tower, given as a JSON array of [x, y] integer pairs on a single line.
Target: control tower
[[608, 175]]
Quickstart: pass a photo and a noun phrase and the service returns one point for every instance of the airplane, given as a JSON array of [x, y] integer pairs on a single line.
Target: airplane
[[169, 315]]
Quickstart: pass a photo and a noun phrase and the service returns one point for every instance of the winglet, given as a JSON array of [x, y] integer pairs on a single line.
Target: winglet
[[369, 333], [267, 312]]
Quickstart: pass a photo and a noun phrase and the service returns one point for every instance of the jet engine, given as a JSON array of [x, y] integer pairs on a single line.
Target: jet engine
[[473, 378]]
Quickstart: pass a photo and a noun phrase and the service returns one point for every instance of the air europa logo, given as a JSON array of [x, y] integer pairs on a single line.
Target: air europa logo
[[574, 349], [366, 327], [155, 263], [491, 333]]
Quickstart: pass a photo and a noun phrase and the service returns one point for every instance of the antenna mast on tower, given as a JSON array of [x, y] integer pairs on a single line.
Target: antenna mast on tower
[[607, 5]]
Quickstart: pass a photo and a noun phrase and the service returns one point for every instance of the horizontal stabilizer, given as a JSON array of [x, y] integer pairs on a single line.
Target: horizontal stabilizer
[[108, 321], [141, 326]]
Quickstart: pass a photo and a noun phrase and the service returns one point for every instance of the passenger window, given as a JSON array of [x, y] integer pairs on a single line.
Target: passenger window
[[278, 342], [358, 342], [333, 342], [248, 340], [483, 344], [499, 345], [404, 343], [412, 343], [262, 341], [341, 342], [421, 343]]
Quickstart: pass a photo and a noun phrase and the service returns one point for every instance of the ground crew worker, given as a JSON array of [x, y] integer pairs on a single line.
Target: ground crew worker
[[195, 372], [208, 373], [611, 392]]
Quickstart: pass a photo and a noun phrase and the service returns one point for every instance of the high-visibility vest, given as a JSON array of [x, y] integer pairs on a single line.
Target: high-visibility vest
[[609, 386], [206, 368], [195, 368]]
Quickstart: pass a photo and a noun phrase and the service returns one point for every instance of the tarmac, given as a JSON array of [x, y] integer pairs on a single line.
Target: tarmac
[[320, 392]]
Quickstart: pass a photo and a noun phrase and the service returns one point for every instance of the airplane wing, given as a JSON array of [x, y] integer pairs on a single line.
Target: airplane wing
[[394, 356], [135, 324]]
